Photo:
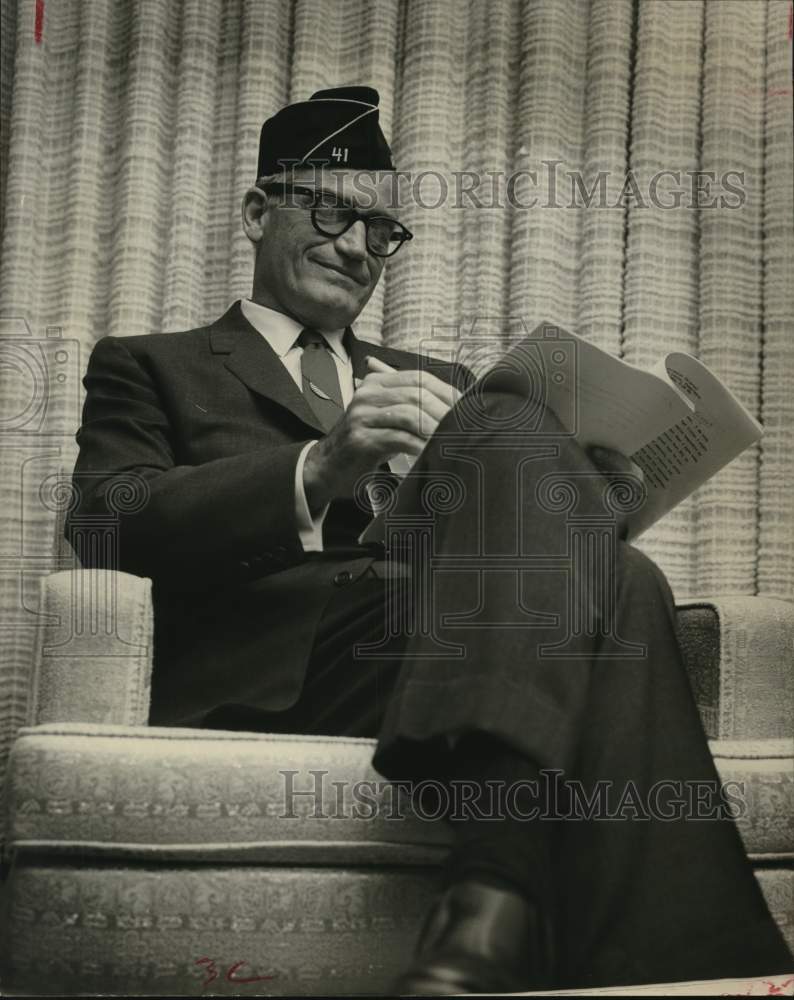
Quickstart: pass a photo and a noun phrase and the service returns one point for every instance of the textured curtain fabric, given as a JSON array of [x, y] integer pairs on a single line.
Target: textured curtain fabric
[[129, 134]]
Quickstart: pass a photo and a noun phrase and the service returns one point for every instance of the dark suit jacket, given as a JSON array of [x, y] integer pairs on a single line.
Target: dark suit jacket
[[188, 449]]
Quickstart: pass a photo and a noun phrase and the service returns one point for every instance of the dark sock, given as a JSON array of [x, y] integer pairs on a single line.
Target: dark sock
[[509, 852]]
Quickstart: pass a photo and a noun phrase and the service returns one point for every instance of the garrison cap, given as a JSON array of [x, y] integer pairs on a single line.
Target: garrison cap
[[336, 128]]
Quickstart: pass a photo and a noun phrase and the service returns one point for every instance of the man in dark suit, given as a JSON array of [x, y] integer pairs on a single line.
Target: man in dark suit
[[236, 458]]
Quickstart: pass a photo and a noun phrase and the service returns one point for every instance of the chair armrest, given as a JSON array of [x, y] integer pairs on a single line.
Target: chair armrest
[[739, 653], [93, 658]]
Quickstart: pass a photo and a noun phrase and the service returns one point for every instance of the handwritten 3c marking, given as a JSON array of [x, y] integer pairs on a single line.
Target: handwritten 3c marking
[[211, 973]]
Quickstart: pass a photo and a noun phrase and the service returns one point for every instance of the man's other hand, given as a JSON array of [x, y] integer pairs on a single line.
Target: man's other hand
[[391, 412], [614, 462], [611, 463]]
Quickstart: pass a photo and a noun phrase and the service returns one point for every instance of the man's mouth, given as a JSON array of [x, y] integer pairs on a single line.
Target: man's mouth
[[340, 270]]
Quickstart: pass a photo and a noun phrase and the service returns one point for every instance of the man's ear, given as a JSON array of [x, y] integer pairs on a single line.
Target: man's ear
[[254, 210]]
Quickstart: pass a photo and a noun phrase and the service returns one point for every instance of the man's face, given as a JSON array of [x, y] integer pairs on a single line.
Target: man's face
[[322, 281]]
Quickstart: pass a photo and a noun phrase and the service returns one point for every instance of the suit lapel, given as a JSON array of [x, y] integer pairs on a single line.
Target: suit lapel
[[257, 365], [251, 359], [358, 351]]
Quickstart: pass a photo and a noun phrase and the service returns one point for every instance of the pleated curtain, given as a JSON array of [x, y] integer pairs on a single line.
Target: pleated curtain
[[129, 134]]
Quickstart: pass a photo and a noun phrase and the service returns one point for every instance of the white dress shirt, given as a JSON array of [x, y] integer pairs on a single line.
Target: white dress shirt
[[281, 332]]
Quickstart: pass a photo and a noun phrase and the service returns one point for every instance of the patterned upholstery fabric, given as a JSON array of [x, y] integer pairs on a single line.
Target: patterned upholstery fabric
[[183, 794], [777, 885], [94, 654], [142, 930], [764, 771], [738, 652], [191, 794], [140, 855], [93, 657]]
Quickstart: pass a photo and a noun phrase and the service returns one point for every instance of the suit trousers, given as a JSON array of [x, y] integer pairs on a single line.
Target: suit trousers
[[509, 603]]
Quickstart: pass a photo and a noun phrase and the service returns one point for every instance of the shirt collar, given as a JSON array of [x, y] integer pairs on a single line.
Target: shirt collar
[[281, 331]]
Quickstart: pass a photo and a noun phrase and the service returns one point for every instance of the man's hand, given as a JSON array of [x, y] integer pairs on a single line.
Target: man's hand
[[391, 412], [608, 461]]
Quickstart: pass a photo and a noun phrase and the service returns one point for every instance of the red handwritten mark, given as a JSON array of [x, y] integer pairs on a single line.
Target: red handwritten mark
[[211, 973], [232, 978], [38, 26], [776, 991]]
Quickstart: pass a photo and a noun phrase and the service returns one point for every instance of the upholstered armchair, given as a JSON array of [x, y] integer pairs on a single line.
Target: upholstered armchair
[[159, 860]]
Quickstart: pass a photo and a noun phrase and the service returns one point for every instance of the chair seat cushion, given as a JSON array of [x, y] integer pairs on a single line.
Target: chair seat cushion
[[183, 794], [159, 930], [189, 794], [138, 930]]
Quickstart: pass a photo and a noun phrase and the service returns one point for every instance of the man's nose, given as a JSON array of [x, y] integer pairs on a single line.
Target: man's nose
[[353, 243]]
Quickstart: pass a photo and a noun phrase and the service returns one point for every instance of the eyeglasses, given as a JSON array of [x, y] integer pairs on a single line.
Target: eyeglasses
[[384, 236]]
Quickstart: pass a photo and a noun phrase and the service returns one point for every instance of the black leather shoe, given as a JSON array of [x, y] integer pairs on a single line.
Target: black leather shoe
[[480, 939]]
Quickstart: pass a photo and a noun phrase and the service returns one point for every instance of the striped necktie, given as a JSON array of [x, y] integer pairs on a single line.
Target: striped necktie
[[320, 378]]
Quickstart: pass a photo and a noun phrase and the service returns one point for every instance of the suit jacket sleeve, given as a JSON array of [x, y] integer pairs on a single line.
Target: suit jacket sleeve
[[185, 523]]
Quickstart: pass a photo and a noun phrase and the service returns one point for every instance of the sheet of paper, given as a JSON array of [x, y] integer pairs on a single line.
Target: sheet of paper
[[693, 449], [678, 422], [603, 399]]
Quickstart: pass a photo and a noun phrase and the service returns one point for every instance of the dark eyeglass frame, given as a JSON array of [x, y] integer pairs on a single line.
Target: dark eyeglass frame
[[403, 234]]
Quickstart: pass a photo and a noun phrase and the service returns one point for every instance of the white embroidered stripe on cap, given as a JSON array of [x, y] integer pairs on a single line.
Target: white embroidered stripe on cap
[[327, 138]]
